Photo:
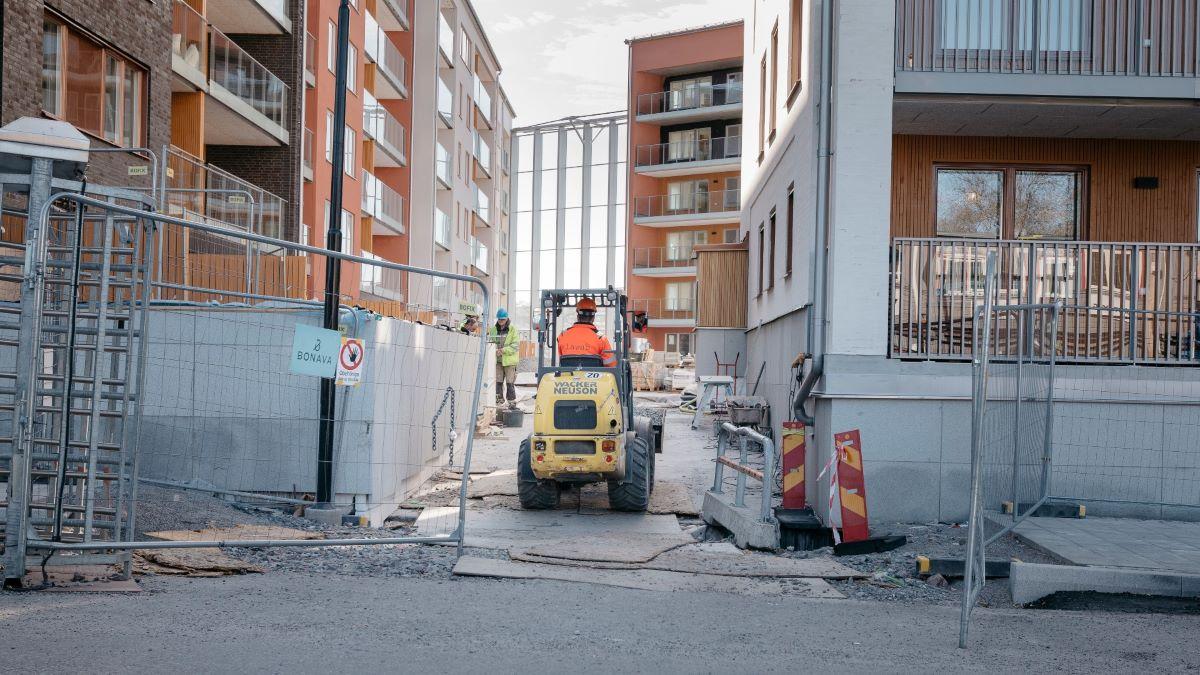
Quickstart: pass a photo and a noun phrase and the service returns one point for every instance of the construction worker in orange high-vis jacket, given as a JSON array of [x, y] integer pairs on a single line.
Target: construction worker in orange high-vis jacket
[[583, 339]]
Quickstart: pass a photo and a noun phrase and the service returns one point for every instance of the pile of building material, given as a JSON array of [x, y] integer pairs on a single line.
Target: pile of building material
[[648, 373]]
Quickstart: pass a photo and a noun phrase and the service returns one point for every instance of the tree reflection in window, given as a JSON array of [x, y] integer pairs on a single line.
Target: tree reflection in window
[[969, 203], [1046, 205]]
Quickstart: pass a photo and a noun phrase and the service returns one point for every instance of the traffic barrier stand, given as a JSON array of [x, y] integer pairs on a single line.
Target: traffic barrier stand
[[852, 494]]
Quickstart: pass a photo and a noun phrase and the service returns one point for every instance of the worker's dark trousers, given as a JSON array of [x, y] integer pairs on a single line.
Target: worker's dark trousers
[[506, 375]]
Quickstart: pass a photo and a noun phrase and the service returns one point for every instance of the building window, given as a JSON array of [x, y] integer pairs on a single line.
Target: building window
[[91, 86], [689, 145], [733, 88], [1010, 202], [762, 256], [795, 48], [681, 246], [696, 92], [731, 235], [687, 196], [329, 136], [351, 69], [679, 342], [762, 108], [771, 255], [774, 78], [681, 296], [331, 51], [347, 229], [467, 48], [732, 197], [791, 227], [733, 140], [348, 154]]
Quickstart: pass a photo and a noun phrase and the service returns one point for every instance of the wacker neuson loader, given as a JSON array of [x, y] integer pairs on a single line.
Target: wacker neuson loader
[[584, 427]]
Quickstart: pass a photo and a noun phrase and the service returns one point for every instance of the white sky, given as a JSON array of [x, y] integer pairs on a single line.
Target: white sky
[[568, 57]]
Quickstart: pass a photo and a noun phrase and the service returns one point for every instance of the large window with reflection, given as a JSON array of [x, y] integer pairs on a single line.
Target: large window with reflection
[[1010, 202]]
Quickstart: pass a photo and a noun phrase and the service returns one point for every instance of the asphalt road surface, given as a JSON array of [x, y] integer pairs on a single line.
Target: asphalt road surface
[[283, 622]]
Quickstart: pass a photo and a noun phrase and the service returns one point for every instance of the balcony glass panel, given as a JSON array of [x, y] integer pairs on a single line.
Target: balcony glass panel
[[445, 168], [239, 73], [445, 37], [441, 229], [188, 36]]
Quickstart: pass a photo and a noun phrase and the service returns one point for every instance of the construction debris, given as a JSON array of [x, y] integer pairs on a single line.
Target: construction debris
[[209, 562]]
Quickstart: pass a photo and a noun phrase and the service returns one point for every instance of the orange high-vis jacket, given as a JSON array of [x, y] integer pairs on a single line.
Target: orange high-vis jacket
[[583, 339]]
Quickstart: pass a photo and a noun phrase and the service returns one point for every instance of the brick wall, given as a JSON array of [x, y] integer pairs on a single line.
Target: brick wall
[[276, 169], [139, 29]]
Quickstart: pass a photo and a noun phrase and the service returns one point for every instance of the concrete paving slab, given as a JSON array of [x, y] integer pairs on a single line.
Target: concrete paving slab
[[505, 529], [650, 580], [629, 548], [1155, 545], [502, 482], [1030, 582], [668, 497]]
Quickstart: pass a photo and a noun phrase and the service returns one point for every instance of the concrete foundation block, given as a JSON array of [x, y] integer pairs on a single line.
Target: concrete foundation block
[[748, 530], [1030, 582], [331, 515]]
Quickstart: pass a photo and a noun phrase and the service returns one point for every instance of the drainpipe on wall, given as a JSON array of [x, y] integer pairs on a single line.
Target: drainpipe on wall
[[819, 281]]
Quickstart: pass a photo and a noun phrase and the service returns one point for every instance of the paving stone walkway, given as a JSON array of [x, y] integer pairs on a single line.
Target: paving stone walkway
[[1161, 545]]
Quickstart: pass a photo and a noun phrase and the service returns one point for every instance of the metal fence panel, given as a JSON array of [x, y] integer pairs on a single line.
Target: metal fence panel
[[224, 405], [1011, 425]]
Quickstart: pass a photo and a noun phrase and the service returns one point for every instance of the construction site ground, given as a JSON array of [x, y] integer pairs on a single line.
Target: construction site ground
[[665, 570]]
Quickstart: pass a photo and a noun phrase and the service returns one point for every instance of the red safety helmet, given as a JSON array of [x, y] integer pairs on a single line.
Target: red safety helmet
[[586, 304]]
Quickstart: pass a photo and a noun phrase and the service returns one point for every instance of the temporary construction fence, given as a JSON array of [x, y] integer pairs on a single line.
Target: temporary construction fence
[[126, 374], [1012, 418]]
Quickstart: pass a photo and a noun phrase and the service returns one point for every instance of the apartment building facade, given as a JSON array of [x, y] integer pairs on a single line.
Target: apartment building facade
[[685, 148], [107, 73], [460, 177], [1061, 136]]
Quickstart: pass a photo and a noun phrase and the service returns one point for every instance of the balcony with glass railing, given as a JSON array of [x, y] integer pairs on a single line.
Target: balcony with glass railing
[[251, 93], [482, 152], [381, 282], [479, 255], [483, 206], [189, 45], [388, 133], [665, 261], [445, 166], [483, 104], [445, 104], [391, 66], [393, 14], [691, 102], [441, 229], [689, 157], [307, 155], [383, 204], [250, 17], [310, 60], [445, 41], [681, 208]]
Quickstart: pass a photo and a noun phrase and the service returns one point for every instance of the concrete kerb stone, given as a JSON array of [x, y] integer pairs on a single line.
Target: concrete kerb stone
[[743, 522], [1030, 582]]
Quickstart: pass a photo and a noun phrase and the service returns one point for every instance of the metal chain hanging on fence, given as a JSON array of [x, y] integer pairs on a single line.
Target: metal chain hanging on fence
[[448, 396]]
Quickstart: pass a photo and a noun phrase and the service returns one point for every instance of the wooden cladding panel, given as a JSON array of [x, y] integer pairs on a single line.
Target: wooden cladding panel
[[1115, 210], [721, 288], [187, 122]]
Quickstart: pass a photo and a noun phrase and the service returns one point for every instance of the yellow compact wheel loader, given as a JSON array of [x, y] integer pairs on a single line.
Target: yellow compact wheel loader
[[584, 426]]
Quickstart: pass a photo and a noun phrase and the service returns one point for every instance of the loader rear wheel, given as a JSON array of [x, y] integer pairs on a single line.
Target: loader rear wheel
[[634, 494], [534, 494]]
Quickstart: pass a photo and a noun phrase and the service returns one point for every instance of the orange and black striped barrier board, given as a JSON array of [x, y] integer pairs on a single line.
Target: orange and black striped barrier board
[[852, 486], [793, 465]]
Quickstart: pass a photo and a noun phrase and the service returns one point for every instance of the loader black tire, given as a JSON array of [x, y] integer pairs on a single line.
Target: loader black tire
[[534, 494], [633, 495]]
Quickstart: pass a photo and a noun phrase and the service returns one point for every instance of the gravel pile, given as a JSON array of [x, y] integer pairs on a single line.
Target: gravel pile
[[894, 574]]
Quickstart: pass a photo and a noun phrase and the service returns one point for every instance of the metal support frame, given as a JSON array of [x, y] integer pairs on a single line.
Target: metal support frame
[[725, 432]]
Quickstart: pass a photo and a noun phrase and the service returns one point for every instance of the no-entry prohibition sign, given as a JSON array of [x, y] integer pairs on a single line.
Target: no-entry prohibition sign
[[351, 357]]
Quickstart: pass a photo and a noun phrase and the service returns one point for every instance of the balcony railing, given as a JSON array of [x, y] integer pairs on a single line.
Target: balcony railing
[[310, 58], [445, 169], [700, 150], [244, 77], [188, 37], [199, 188], [1123, 302], [483, 101], [386, 130], [479, 255], [382, 282], [446, 39], [441, 229], [483, 205], [307, 154], [1113, 37], [390, 62], [398, 8], [445, 103], [382, 202], [677, 309], [658, 257], [483, 153], [689, 98], [687, 203]]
